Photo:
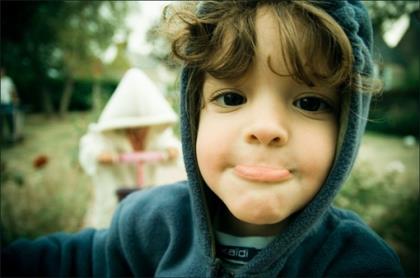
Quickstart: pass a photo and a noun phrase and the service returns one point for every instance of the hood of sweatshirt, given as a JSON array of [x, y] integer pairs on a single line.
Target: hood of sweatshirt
[[136, 102], [353, 18]]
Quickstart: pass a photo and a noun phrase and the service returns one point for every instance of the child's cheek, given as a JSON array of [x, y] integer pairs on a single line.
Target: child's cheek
[[213, 149], [313, 172], [209, 154]]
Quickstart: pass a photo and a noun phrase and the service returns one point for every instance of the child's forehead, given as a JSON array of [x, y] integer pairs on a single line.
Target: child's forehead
[[269, 53], [268, 46], [269, 39], [271, 31], [292, 39]]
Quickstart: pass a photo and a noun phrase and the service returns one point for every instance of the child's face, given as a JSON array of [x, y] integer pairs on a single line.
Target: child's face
[[137, 137], [265, 143]]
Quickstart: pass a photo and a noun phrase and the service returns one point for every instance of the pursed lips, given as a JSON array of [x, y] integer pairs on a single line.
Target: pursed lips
[[262, 173]]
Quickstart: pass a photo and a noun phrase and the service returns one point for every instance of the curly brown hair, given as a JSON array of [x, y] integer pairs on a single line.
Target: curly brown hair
[[218, 38]]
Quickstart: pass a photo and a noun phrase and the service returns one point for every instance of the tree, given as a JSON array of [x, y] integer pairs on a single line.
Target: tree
[[385, 12], [80, 48], [57, 39]]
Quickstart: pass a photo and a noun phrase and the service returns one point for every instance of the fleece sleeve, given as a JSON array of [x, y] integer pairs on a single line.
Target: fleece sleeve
[[353, 249], [58, 254], [362, 253]]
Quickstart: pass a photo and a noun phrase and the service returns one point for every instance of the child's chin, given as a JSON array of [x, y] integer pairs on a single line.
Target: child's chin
[[260, 218], [263, 220]]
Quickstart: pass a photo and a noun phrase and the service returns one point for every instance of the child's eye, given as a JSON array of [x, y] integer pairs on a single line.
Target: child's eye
[[313, 104], [229, 99]]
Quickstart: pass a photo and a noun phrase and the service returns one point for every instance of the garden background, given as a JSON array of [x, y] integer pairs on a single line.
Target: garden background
[[66, 58]]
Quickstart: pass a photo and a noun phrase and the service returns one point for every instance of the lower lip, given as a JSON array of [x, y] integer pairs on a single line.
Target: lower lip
[[262, 173]]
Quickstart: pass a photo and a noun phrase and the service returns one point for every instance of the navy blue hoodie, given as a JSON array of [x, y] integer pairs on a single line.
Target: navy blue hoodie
[[167, 231]]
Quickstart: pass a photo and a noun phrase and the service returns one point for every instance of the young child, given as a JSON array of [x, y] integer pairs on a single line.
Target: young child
[[136, 122], [273, 107], [9, 101]]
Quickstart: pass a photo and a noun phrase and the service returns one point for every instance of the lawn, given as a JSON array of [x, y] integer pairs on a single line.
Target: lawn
[[43, 188], [384, 189]]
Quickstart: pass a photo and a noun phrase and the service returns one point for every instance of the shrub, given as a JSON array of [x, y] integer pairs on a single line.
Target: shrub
[[391, 209]]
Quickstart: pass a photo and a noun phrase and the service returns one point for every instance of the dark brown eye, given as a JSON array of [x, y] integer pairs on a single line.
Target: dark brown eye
[[312, 104], [230, 99]]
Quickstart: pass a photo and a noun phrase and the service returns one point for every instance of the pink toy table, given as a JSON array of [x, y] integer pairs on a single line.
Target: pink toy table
[[139, 159]]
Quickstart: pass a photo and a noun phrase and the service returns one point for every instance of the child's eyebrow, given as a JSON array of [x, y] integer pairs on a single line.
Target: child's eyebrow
[[331, 93], [228, 82]]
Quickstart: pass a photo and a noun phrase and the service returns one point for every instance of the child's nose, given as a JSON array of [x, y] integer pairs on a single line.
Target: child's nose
[[267, 133]]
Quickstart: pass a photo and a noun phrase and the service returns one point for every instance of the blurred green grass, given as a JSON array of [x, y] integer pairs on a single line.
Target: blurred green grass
[[49, 198], [383, 188]]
